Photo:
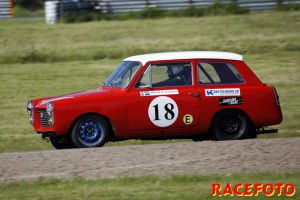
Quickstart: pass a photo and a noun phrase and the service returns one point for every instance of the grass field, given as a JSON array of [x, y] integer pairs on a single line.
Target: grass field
[[142, 188], [38, 60]]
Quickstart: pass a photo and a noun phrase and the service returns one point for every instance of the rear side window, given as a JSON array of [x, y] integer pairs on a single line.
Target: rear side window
[[218, 73]]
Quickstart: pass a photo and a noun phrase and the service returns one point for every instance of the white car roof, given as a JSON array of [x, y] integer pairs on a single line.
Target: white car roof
[[185, 55]]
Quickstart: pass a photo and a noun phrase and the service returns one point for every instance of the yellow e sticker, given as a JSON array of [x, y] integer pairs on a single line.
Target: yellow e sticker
[[188, 119]]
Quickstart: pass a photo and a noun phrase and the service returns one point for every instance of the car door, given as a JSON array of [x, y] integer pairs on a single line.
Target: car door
[[160, 104]]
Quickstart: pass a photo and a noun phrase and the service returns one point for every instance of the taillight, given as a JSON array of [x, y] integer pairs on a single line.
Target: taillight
[[276, 96]]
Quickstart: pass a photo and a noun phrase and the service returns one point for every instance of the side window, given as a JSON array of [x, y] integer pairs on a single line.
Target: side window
[[159, 73], [207, 73], [167, 74], [218, 73]]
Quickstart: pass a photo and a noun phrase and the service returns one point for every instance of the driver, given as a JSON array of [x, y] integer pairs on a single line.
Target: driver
[[177, 76]]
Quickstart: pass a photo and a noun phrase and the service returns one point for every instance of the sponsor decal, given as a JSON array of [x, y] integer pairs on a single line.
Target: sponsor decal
[[223, 92], [159, 93], [256, 189], [188, 119], [230, 101], [163, 111]]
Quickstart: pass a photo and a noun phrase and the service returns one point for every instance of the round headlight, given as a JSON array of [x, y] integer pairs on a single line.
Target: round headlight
[[49, 110], [49, 107], [30, 107]]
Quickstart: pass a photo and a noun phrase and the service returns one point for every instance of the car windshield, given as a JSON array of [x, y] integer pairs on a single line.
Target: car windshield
[[123, 74]]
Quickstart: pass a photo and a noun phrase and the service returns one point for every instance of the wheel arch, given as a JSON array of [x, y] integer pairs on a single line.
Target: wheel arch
[[112, 133], [226, 110]]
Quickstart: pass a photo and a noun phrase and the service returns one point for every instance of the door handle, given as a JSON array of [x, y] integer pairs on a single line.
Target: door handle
[[194, 94]]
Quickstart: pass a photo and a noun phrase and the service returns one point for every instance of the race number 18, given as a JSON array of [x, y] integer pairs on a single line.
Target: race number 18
[[169, 111], [163, 111]]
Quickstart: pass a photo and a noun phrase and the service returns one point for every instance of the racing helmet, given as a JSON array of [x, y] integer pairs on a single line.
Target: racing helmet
[[173, 70]]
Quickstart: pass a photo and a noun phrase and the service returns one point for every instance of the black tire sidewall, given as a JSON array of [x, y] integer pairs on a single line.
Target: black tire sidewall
[[75, 137], [219, 132], [61, 145]]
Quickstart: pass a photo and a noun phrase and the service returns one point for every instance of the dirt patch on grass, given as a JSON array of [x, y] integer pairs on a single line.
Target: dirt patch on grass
[[208, 157]]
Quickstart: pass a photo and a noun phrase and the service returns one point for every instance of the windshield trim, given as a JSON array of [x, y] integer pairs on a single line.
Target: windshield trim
[[120, 74]]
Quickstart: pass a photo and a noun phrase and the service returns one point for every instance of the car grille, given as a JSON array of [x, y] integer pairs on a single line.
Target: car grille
[[44, 117]]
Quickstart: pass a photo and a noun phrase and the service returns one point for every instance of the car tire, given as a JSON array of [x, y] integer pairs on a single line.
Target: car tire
[[89, 131], [231, 125], [61, 143]]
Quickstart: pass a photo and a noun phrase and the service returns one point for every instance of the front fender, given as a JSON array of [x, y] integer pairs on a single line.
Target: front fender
[[111, 106]]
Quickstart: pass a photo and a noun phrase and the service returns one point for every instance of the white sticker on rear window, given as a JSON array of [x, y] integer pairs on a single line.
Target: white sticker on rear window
[[223, 92]]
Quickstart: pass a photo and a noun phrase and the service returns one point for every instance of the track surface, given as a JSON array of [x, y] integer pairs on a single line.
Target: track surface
[[208, 157]]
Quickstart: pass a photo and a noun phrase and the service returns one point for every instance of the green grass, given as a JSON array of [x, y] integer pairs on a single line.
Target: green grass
[[19, 11], [142, 188], [24, 41], [157, 13], [39, 60]]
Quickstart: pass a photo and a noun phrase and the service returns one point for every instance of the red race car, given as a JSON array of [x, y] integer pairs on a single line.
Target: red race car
[[194, 94]]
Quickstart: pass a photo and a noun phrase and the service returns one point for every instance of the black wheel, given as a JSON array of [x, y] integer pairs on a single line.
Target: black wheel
[[90, 131], [231, 125], [61, 143]]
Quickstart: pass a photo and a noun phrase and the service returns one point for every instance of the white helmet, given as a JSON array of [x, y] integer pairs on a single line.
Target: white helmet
[[177, 68], [173, 70]]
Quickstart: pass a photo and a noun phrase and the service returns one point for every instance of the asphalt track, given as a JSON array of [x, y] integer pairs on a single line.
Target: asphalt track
[[207, 157]]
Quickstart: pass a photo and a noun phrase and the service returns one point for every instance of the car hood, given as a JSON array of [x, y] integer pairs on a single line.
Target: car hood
[[101, 91]]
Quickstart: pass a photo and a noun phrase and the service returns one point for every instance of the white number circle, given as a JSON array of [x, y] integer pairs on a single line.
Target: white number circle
[[163, 111]]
